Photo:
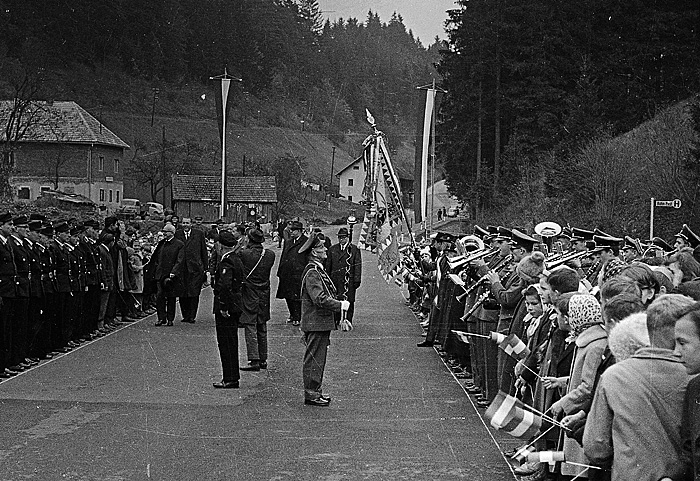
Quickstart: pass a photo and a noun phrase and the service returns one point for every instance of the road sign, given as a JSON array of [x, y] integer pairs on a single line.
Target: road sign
[[676, 203]]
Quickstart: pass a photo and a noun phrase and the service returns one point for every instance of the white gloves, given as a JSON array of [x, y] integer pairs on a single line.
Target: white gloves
[[344, 305], [345, 325]]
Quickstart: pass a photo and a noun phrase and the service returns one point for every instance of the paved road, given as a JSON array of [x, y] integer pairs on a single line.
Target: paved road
[[138, 404]]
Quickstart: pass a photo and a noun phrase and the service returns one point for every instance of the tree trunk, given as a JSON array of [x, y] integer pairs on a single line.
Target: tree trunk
[[497, 109], [477, 205]]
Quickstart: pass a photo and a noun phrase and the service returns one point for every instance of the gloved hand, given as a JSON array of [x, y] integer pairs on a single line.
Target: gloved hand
[[344, 305], [345, 325]]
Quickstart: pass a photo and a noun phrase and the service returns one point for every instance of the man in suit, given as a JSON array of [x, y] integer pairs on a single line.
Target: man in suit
[[194, 268], [344, 266], [170, 259], [255, 296], [291, 267], [227, 309]]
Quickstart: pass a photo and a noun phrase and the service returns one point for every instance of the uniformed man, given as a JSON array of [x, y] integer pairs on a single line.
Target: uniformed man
[[686, 238], [290, 269], [344, 267], [443, 242], [194, 268]]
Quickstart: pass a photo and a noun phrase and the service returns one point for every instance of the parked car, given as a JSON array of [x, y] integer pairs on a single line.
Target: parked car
[[129, 208], [453, 212], [154, 209]]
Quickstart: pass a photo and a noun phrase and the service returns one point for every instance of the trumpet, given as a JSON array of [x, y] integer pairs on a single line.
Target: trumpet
[[560, 259], [459, 261], [497, 268], [476, 305]]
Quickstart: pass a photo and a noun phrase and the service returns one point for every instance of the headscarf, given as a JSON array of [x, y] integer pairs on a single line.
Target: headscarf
[[584, 312], [612, 268]]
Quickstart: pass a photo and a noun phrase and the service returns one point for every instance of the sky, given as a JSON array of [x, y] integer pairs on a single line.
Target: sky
[[425, 17]]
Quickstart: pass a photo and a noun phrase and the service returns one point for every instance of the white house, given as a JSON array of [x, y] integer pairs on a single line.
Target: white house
[[352, 181]]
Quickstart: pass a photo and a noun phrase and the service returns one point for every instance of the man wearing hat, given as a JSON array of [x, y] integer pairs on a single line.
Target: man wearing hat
[[344, 266], [93, 267], [290, 269], [198, 223], [686, 238], [255, 297], [443, 242], [227, 310], [194, 268], [609, 248], [170, 257], [631, 250], [76, 270]]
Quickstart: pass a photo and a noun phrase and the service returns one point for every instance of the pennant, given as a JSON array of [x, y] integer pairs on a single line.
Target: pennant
[[420, 175], [222, 104], [463, 336], [510, 415], [547, 457], [514, 347], [501, 410], [497, 337], [521, 455]]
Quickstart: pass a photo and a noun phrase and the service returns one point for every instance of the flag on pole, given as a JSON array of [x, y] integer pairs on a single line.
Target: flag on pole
[[420, 175], [510, 415], [546, 457], [514, 347], [463, 336], [521, 455], [497, 337]]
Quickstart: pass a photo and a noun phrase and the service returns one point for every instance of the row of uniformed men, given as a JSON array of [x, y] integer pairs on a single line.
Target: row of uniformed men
[[52, 280]]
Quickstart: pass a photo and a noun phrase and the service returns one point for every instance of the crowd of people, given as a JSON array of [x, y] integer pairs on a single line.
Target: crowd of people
[[598, 336]]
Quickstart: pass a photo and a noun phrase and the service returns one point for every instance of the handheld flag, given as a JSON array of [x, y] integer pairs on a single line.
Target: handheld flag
[[546, 457], [514, 347], [463, 336], [509, 414], [521, 456], [497, 337]]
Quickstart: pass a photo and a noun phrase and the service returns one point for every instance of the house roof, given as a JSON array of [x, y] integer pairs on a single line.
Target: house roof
[[402, 173], [61, 122], [260, 190], [354, 162]]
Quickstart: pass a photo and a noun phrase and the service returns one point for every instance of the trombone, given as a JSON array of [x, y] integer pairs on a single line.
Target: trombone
[[560, 259], [497, 268], [459, 261]]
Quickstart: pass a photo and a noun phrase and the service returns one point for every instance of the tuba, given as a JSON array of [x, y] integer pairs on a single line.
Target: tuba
[[548, 230]]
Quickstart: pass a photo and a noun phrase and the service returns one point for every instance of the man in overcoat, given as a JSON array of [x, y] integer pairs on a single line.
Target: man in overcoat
[[290, 270], [194, 268], [170, 257], [344, 266], [255, 296]]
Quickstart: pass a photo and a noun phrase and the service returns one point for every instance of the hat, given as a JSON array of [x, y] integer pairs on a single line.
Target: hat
[[75, 230], [61, 227], [46, 230], [481, 232], [661, 244], [110, 221], [198, 218], [20, 221], [314, 240], [581, 234], [343, 232], [295, 224], [503, 234], [689, 236], [597, 231], [35, 225], [523, 240], [631, 243], [607, 241], [255, 236], [168, 227], [35, 216], [565, 233], [227, 239], [444, 237], [5, 218], [530, 267], [92, 223]]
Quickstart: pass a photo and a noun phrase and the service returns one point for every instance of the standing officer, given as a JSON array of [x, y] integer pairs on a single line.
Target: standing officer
[[227, 310], [194, 268], [255, 296], [8, 292], [20, 322], [290, 270], [344, 266]]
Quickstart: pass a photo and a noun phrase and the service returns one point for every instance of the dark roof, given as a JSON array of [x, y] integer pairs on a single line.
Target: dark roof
[[64, 122], [348, 166], [401, 173], [238, 189]]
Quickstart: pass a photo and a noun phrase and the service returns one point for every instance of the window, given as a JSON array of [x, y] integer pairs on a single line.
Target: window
[[101, 163], [24, 192], [110, 195], [102, 195], [117, 197], [116, 166], [355, 167], [9, 158], [350, 182], [349, 198], [44, 188]]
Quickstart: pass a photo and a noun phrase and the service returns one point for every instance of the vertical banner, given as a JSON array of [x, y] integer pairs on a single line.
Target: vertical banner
[[420, 176], [222, 110]]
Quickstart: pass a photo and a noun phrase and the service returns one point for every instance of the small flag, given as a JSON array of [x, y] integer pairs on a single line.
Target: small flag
[[509, 414], [546, 457], [497, 337], [514, 347], [521, 455], [462, 336]]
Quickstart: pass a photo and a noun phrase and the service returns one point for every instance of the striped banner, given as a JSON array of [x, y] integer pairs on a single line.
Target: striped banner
[[510, 415]]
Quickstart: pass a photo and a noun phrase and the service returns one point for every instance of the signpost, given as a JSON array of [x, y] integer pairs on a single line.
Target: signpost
[[675, 203]]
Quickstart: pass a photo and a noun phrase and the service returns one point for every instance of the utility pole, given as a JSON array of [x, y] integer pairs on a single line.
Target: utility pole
[[332, 164], [243, 165], [153, 109], [162, 160]]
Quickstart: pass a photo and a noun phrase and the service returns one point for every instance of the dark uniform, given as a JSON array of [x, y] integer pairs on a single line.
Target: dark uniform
[[170, 257], [344, 266], [289, 273], [193, 272]]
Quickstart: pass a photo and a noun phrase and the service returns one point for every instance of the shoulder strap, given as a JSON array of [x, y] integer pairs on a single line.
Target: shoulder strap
[[257, 263]]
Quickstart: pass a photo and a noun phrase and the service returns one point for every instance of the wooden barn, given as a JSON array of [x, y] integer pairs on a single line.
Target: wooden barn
[[247, 198]]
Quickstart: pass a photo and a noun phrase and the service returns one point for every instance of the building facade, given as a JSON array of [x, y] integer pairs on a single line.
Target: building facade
[[67, 149]]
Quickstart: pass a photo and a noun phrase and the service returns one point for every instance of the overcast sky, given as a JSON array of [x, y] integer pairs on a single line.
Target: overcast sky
[[425, 17]]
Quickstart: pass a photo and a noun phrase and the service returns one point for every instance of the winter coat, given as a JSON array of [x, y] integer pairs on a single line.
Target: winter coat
[[170, 260], [690, 429], [291, 268], [255, 293], [107, 268], [637, 409], [344, 267], [227, 290], [318, 300], [196, 261], [590, 345]]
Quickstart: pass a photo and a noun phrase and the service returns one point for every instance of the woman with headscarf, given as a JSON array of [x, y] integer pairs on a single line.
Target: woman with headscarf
[[585, 323], [318, 303]]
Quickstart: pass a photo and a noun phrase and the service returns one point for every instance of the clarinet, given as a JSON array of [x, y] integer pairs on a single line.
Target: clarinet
[[592, 270]]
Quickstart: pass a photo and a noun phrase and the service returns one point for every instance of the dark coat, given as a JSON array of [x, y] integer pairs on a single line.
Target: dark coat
[[35, 287], [7, 271], [92, 262], [107, 268], [47, 273], [22, 260], [61, 277], [690, 429], [227, 290], [170, 260], [257, 264], [318, 302], [196, 261], [291, 269], [344, 267]]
